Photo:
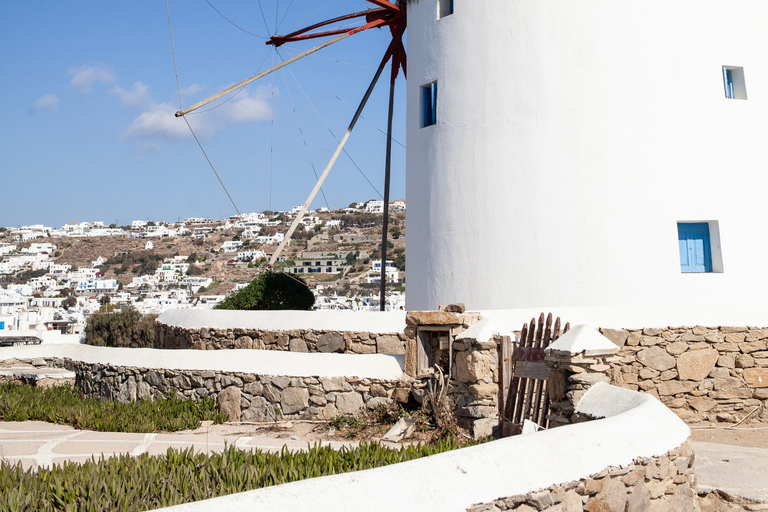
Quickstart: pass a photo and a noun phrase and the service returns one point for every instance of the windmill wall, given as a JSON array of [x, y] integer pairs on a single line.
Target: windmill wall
[[571, 138]]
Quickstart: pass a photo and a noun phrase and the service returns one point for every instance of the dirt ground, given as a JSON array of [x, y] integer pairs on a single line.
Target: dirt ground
[[309, 431], [754, 435]]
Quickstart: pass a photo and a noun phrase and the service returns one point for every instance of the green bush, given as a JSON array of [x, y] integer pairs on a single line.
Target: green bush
[[181, 476], [125, 328], [64, 405], [271, 290]]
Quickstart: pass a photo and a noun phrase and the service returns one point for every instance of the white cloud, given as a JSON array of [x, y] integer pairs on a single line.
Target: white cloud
[[83, 77], [46, 102], [192, 89], [158, 121], [137, 96], [245, 107]]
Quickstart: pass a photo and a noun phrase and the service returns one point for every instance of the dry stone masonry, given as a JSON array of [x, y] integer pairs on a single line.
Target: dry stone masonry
[[296, 340], [242, 396], [658, 484], [717, 374]]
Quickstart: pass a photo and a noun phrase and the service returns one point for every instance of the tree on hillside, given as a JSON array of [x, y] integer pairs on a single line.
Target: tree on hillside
[[271, 290]]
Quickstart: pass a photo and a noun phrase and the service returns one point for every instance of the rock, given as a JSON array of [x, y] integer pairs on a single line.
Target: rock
[[389, 345], [697, 364], [477, 411], [298, 345], [572, 502], [378, 401], [541, 500], [378, 390], [244, 342], [472, 366], [596, 505], [153, 378], [331, 384], [432, 318], [690, 337], [702, 404], [38, 362], [656, 358], [127, 391], [726, 361], [229, 402], [328, 412], [616, 495], [756, 377], [617, 336], [484, 427], [745, 361], [633, 339], [144, 391], [281, 382], [349, 403], [639, 499], [483, 391], [588, 379], [360, 348], [677, 348], [259, 410], [331, 342], [181, 382], [674, 387], [293, 400]]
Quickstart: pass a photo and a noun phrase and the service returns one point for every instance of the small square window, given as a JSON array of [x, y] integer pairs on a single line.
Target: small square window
[[733, 81], [429, 104], [699, 245], [444, 8]]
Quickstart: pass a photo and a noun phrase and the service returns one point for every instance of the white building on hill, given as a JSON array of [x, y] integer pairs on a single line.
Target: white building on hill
[[586, 153]]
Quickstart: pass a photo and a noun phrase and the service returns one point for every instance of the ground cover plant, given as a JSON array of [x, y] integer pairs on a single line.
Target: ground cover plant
[[65, 405], [145, 483]]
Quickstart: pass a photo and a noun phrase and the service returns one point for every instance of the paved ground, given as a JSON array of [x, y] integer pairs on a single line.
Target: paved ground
[[39, 444], [741, 473]]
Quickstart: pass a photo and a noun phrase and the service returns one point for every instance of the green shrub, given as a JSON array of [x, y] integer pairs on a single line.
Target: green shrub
[[125, 328], [146, 483], [65, 406], [271, 290]]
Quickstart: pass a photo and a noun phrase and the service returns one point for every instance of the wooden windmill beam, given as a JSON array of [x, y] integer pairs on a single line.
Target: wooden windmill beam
[[260, 75], [328, 167]]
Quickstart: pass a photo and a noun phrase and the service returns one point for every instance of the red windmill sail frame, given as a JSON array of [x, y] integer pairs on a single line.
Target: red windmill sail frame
[[386, 15]]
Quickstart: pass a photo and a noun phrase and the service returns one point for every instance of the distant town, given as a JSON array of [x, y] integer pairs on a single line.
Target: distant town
[[52, 279]]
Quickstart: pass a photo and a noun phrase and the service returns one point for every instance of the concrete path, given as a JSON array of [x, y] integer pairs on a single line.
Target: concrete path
[[40, 444], [739, 472]]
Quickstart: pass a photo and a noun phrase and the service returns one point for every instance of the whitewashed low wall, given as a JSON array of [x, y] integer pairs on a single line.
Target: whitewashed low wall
[[373, 321], [260, 362], [635, 426]]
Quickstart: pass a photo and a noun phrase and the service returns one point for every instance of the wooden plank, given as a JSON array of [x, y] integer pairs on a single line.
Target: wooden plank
[[529, 370]]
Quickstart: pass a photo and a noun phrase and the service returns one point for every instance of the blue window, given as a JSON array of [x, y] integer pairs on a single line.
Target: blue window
[[728, 82], [445, 8], [695, 247], [2, 326], [733, 82], [429, 104]]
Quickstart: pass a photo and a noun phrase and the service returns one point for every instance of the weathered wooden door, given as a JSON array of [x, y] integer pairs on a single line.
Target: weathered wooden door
[[523, 375]]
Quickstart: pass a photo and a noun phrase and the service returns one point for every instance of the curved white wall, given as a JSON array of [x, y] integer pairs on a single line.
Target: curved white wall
[[572, 136]]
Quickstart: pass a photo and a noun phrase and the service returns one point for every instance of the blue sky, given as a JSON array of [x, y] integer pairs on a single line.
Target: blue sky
[[89, 91]]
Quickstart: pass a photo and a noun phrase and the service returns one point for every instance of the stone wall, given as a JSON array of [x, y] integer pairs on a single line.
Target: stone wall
[[296, 340], [473, 389], [665, 483], [242, 396], [717, 374]]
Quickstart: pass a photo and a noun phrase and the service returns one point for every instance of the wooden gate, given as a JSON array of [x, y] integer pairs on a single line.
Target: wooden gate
[[523, 376]]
